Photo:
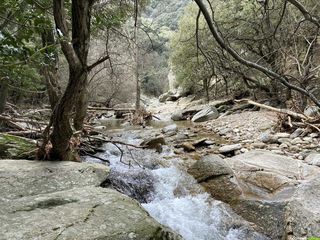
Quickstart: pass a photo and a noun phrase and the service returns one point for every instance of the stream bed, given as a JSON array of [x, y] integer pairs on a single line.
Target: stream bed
[[168, 193]]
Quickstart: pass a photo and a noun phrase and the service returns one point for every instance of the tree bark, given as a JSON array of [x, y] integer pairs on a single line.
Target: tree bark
[[74, 96], [3, 94]]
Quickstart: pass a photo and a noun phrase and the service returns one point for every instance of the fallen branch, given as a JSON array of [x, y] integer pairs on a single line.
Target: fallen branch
[[4, 118], [27, 134], [93, 156], [279, 110], [111, 109], [117, 142]]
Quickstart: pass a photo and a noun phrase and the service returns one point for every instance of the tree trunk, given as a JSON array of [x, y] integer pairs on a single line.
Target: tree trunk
[[205, 83], [3, 93], [50, 75], [49, 71], [75, 95], [136, 53], [62, 130]]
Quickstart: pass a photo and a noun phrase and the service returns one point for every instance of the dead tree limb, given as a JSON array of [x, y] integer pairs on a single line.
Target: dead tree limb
[[10, 119], [279, 110]]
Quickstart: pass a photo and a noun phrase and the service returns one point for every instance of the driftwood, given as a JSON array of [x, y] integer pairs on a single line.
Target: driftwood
[[279, 110]]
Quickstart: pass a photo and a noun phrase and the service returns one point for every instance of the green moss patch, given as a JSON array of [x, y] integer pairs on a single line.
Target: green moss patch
[[13, 147]]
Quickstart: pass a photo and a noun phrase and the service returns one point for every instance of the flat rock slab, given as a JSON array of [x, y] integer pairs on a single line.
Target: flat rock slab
[[80, 213], [19, 178], [270, 175]]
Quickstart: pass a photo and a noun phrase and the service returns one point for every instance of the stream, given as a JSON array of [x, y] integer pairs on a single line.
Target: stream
[[166, 191]]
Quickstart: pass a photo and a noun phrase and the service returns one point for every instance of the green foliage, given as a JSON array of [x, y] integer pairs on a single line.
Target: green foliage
[[166, 13], [267, 35], [314, 238], [19, 47]]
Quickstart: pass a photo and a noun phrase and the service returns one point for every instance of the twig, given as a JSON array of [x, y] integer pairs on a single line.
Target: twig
[[93, 156]]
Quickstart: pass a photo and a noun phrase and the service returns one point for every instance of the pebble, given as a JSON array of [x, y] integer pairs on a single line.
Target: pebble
[[296, 141], [244, 150], [282, 135], [284, 140], [258, 145], [283, 145], [308, 139], [314, 135]]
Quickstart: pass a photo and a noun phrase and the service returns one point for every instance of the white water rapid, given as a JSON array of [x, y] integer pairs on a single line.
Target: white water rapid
[[172, 196]]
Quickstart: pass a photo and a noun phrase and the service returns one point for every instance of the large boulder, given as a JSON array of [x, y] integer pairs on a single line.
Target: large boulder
[[269, 183], [268, 175], [185, 114], [206, 114], [268, 216], [303, 211], [313, 159], [163, 97], [19, 178], [79, 213], [63, 200], [214, 174]]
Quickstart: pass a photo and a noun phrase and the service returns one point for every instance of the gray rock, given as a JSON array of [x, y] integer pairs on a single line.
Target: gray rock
[[296, 141], [258, 145], [312, 111], [208, 167], [303, 212], [26, 178], [214, 174], [268, 175], [267, 137], [178, 116], [230, 148], [185, 114], [173, 128], [296, 133], [80, 213], [269, 216], [206, 114], [313, 159], [154, 143], [314, 135], [163, 97]]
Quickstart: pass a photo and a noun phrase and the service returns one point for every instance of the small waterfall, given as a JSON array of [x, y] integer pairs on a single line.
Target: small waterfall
[[180, 203], [171, 196]]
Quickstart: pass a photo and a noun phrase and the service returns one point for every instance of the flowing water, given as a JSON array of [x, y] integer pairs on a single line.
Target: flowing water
[[169, 194]]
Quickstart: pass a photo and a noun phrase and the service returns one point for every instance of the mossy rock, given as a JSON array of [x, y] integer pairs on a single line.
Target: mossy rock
[[14, 147]]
